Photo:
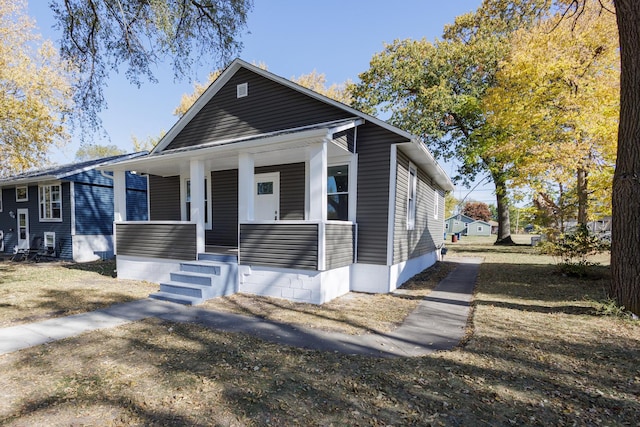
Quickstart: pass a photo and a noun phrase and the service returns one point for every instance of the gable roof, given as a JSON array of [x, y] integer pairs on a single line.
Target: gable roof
[[414, 146], [64, 171], [479, 221], [461, 217]]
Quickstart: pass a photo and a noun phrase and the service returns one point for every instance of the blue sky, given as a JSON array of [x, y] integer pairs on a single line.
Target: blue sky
[[334, 37]]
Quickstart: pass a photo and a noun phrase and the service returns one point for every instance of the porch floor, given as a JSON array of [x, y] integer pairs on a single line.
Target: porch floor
[[222, 250]]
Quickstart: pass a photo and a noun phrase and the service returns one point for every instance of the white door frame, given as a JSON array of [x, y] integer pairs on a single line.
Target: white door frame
[[261, 177], [23, 243]]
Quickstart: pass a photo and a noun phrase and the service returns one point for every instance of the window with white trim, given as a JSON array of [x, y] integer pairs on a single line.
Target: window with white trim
[[436, 203], [49, 239], [411, 197], [22, 194], [50, 201], [338, 192], [480, 229]]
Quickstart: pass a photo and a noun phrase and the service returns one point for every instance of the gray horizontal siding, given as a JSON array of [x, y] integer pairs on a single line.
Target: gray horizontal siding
[[373, 148], [268, 107], [168, 241], [428, 230], [164, 198], [338, 245], [279, 245], [224, 190], [345, 139]]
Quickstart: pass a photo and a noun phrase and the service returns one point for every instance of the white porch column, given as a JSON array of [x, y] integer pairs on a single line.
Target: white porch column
[[318, 181], [119, 196], [196, 170], [246, 179]]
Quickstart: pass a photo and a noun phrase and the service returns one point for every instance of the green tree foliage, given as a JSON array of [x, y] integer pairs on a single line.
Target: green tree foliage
[[139, 35], [97, 151], [450, 205], [435, 90], [146, 144], [35, 92]]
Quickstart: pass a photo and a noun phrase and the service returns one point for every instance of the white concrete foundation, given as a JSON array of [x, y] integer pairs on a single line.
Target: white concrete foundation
[[153, 270], [376, 279], [314, 287]]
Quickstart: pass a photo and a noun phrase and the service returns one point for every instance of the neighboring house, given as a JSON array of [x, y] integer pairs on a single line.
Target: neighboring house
[[69, 209], [269, 188], [494, 226], [478, 228], [457, 223]]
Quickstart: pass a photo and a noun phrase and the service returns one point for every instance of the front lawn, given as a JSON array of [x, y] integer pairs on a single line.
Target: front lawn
[[537, 353]]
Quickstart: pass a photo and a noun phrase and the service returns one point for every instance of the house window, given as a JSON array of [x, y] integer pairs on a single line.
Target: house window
[[338, 192], [479, 229], [436, 203], [206, 202], [49, 240], [50, 202], [22, 195], [411, 197], [446, 225]]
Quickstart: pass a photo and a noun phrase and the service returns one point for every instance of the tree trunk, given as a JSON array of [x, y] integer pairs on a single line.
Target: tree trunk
[[504, 223], [583, 196], [625, 226]]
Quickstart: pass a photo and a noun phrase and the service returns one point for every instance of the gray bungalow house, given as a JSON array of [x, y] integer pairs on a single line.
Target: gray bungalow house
[[457, 223], [68, 209], [266, 187]]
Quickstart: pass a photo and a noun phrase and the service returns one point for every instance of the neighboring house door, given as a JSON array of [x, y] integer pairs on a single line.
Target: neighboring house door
[[23, 228], [267, 196]]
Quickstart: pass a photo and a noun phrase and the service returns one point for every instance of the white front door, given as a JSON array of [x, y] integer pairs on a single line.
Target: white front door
[[23, 228], [267, 196]]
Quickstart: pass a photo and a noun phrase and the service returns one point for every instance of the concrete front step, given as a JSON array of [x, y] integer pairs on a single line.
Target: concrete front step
[[194, 278], [179, 299], [186, 289], [211, 276]]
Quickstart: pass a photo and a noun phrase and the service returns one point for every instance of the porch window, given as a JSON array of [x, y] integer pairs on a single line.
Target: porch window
[[22, 195], [50, 202], [411, 197], [338, 192], [206, 202]]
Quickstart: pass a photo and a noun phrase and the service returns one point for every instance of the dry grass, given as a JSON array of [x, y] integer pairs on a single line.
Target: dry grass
[[353, 313], [538, 355], [32, 292]]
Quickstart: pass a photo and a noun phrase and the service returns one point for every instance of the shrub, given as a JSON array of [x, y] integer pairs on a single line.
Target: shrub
[[572, 249]]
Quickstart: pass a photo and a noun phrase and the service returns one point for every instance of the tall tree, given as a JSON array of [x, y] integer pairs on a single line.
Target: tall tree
[[625, 231], [434, 90], [556, 102], [35, 92], [105, 35]]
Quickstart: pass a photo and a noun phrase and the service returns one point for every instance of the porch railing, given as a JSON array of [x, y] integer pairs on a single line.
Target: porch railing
[[156, 239]]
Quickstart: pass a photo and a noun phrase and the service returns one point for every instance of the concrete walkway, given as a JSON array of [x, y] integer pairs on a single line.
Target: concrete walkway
[[438, 323]]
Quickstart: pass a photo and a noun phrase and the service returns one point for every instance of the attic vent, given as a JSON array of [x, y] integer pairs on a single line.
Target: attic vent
[[242, 90]]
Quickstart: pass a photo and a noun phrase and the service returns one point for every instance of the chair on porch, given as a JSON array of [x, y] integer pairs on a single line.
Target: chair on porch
[[28, 254]]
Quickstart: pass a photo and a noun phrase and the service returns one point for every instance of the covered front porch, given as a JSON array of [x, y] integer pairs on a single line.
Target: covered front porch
[[280, 206]]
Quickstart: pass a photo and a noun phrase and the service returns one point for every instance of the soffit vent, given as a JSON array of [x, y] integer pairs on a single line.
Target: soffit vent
[[242, 90]]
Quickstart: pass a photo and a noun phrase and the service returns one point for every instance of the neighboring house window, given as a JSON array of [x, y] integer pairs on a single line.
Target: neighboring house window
[[22, 195], [411, 197], [446, 225], [479, 229], [338, 192], [436, 203], [50, 202], [49, 239]]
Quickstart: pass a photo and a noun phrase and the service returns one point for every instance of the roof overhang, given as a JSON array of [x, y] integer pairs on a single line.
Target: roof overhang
[[270, 148], [419, 155]]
